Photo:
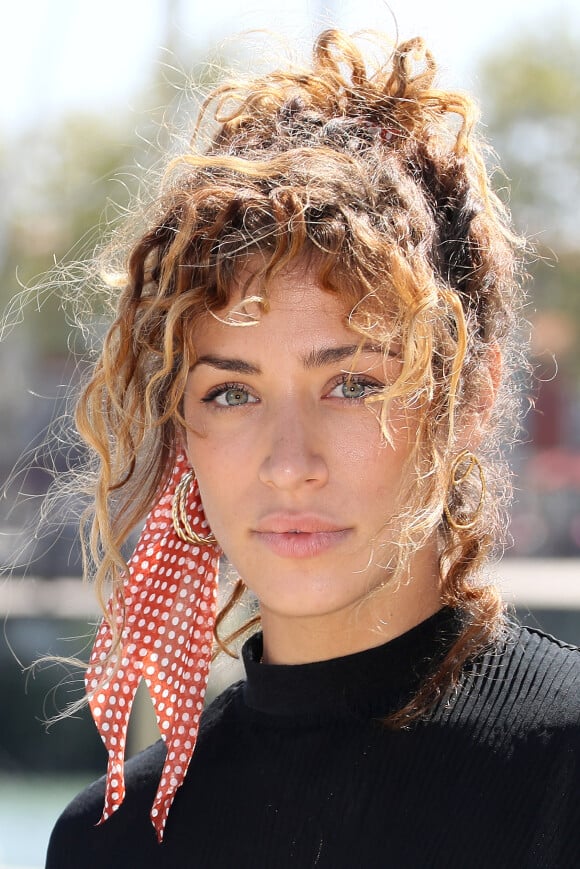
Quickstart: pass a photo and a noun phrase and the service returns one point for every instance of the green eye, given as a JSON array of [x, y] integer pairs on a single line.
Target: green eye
[[353, 389], [234, 397], [229, 395]]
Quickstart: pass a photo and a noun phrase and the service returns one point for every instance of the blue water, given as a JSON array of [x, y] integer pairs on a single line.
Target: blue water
[[29, 806]]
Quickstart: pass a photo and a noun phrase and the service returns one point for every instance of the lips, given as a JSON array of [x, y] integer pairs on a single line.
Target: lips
[[299, 535], [296, 523]]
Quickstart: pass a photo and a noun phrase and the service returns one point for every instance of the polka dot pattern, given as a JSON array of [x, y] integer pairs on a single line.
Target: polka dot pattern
[[170, 598]]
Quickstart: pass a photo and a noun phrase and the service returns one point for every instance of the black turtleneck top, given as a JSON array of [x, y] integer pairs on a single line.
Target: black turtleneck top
[[294, 768]]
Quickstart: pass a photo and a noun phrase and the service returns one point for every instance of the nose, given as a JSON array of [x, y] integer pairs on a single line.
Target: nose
[[293, 455]]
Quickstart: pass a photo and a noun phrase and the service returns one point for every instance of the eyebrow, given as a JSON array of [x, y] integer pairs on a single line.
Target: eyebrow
[[331, 355], [223, 363], [315, 359]]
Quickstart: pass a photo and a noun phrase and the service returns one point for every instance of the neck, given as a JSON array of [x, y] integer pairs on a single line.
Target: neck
[[387, 613]]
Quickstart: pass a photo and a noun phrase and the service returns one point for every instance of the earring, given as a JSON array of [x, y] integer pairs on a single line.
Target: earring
[[179, 515], [461, 468]]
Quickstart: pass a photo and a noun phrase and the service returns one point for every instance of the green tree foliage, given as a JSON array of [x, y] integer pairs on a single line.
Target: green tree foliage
[[67, 184], [57, 188], [531, 96]]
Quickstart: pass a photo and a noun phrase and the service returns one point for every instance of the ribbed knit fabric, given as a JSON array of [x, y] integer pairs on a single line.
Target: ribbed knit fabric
[[293, 768]]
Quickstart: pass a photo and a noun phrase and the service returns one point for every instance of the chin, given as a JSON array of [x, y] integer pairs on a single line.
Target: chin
[[308, 604]]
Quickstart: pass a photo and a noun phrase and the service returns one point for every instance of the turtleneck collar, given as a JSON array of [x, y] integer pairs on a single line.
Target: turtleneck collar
[[373, 682]]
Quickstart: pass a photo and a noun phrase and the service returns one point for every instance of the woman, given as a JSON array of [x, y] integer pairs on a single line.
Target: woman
[[308, 374]]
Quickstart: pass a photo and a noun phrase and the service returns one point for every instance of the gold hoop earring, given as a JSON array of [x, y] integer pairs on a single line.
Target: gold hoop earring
[[179, 515], [457, 475]]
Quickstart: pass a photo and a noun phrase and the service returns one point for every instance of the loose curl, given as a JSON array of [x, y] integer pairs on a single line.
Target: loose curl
[[377, 180]]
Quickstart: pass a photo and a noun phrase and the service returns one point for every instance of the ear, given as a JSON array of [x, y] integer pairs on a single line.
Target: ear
[[472, 427], [181, 445]]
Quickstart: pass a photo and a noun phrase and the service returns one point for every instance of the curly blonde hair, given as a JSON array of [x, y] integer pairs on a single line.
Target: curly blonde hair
[[379, 180]]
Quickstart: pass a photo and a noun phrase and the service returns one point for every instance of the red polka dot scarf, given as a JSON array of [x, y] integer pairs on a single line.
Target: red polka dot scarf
[[170, 595]]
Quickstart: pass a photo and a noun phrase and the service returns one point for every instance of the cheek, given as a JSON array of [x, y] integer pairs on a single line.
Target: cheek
[[195, 419], [220, 475], [361, 450]]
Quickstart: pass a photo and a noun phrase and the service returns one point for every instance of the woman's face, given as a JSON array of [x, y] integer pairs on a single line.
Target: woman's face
[[298, 485]]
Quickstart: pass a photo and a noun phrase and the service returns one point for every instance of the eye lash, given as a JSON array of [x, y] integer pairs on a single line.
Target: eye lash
[[363, 379], [223, 387], [370, 385], [352, 375]]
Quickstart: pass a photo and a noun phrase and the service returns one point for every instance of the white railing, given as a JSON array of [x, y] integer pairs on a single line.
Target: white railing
[[543, 583]]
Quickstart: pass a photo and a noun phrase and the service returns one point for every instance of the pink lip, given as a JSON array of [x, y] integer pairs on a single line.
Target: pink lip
[[299, 535]]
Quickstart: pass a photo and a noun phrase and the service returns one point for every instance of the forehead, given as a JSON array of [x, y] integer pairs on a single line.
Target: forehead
[[297, 280], [290, 307]]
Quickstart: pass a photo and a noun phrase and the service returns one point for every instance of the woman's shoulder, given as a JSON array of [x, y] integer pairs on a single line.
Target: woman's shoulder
[[78, 839], [544, 665], [556, 667], [530, 681]]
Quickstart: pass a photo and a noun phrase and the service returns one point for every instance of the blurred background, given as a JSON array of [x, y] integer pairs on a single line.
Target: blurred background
[[89, 92]]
